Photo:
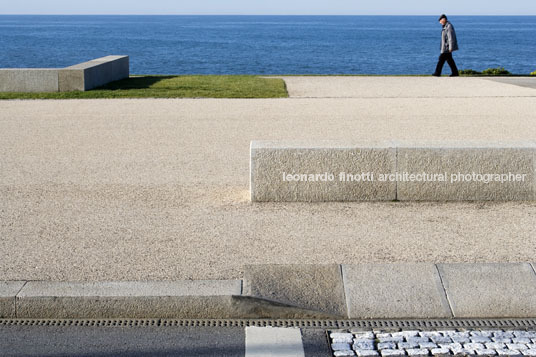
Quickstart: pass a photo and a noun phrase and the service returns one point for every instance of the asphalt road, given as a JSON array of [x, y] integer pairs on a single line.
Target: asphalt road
[[55, 341]]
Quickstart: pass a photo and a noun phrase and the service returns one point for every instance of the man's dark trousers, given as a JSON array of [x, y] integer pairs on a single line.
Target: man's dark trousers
[[447, 56]]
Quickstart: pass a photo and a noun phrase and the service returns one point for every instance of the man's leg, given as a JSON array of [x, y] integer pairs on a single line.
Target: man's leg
[[452, 65], [440, 63]]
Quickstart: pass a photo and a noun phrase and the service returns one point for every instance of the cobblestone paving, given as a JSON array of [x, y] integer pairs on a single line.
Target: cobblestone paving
[[434, 343]]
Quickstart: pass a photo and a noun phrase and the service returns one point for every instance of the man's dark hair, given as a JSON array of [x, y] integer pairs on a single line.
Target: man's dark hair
[[443, 16]]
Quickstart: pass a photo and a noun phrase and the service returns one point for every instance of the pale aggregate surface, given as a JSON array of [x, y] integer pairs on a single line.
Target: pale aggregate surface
[[144, 189]]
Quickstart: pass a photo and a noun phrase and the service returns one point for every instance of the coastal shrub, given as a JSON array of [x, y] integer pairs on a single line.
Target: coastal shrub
[[469, 72], [499, 71], [533, 73]]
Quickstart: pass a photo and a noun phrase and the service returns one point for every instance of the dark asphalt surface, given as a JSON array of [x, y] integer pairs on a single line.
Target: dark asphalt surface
[[56, 341]]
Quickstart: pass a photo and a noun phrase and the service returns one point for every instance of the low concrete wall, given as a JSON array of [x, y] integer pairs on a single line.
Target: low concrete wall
[[82, 76], [272, 162], [332, 171], [29, 79], [92, 74]]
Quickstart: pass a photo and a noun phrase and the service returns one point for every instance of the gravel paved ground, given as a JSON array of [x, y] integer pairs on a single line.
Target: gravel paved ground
[[158, 188]]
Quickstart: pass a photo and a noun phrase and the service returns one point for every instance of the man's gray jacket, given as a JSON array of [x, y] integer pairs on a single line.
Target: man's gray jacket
[[448, 38]]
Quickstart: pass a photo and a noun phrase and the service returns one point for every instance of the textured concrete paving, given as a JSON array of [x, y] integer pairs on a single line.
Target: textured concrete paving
[[150, 189], [407, 87], [492, 290], [315, 287], [394, 291]]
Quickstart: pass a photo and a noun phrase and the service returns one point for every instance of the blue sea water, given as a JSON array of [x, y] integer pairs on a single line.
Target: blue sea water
[[268, 44]]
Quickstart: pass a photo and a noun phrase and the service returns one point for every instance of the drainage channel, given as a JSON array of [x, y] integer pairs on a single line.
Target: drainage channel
[[318, 324]]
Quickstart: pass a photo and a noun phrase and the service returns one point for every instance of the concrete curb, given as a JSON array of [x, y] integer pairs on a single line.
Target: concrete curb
[[339, 171], [370, 291]]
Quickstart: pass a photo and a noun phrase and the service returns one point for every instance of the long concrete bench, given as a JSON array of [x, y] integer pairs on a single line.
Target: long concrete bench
[[334, 171], [81, 77]]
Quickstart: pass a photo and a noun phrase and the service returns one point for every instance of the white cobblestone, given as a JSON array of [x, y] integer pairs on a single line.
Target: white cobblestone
[[502, 339], [367, 353], [427, 345], [486, 352], [393, 353], [405, 334], [516, 346], [474, 346], [441, 339], [462, 342], [391, 339], [480, 339], [363, 345], [508, 353], [523, 340], [440, 352], [406, 345], [364, 335], [387, 346], [418, 340], [451, 346], [344, 353], [495, 345], [341, 346]]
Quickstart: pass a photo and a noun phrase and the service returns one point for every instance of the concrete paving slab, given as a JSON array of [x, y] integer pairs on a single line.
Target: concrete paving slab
[[8, 291], [314, 287], [399, 87], [528, 82], [394, 291], [490, 290], [183, 299]]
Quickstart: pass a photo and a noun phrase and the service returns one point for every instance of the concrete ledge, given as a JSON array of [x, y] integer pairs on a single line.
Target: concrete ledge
[[183, 299], [317, 172], [83, 76], [92, 74], [273, 166], [8, 292], [29, 79], [459, 162], [360, 291]]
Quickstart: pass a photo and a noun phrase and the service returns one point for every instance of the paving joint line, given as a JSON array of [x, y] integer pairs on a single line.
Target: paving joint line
[[16, 297], [344, 292], [445, 290]]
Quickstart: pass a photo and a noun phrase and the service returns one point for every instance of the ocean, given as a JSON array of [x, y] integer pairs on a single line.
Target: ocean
[[268, 44]]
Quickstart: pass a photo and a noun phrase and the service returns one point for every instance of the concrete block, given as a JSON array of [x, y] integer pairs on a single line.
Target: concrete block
[[313, 287], [501, 290], [458, 166], [183, 299], [92, 74], [272, 162], [397, 290], [29, 80], [8, 292]]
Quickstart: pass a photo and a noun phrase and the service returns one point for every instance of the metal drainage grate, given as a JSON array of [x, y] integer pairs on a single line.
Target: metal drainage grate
[[320, 324]]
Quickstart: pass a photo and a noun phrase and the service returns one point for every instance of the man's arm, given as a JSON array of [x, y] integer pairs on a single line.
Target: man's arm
[[450, 37]]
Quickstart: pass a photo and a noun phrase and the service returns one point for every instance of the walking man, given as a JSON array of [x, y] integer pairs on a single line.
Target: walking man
[[449, 44]]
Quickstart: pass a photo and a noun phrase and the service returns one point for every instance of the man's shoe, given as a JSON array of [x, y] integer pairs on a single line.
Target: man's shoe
[[454, 75], [436, 75]]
